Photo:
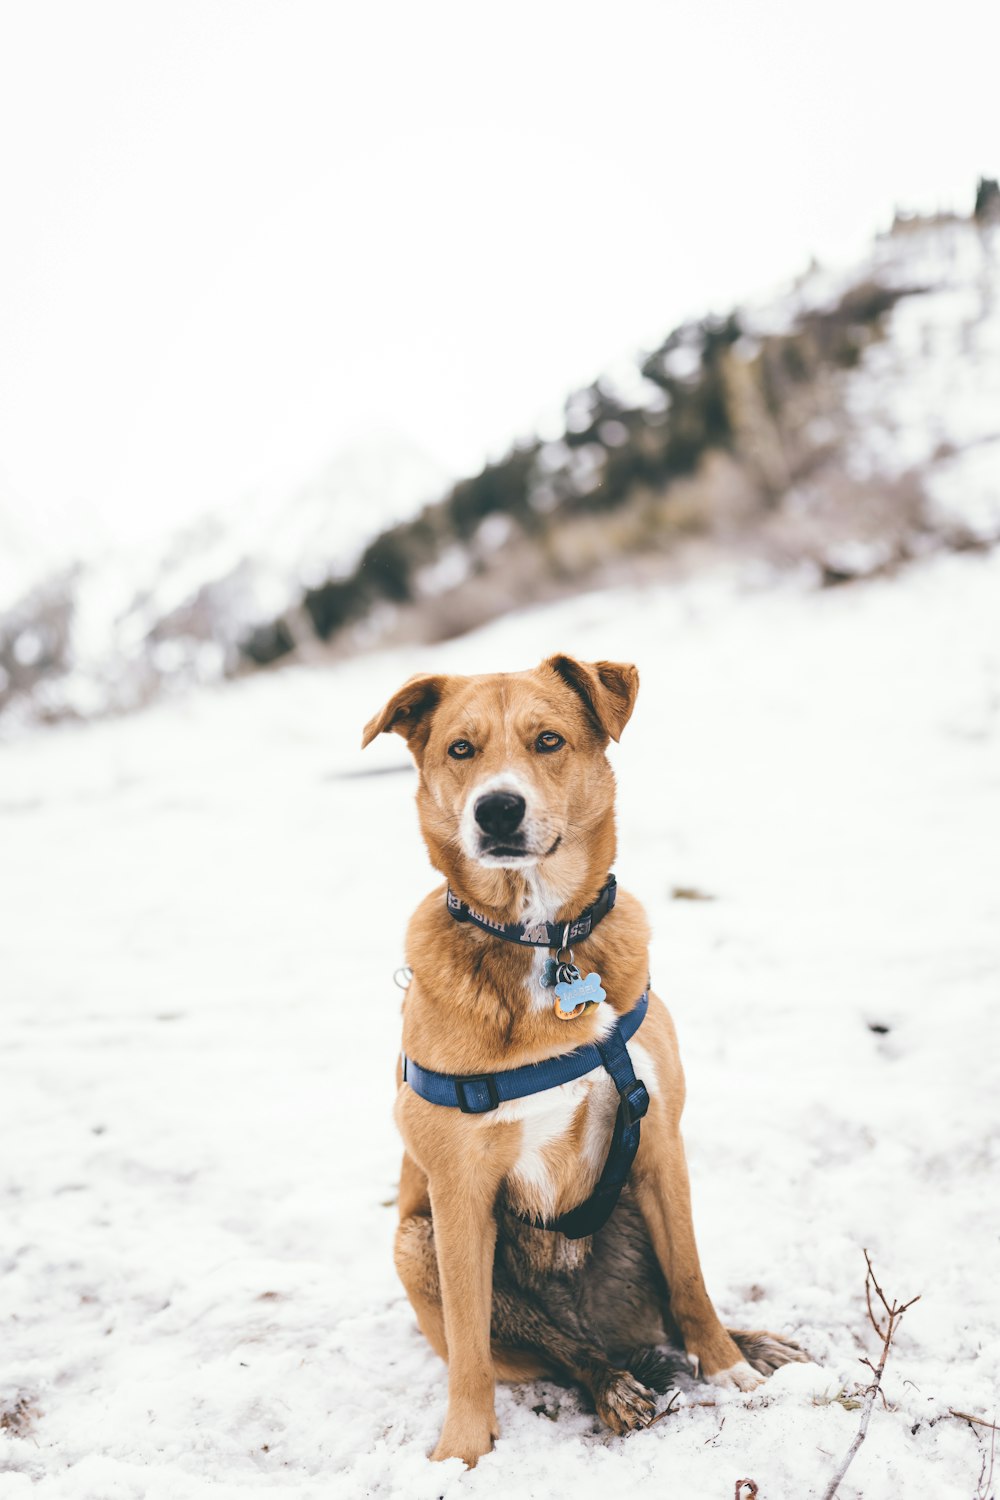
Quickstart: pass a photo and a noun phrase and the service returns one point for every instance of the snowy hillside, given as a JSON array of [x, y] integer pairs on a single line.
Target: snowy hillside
[[28, 550], [925, 399], [175, 609], [843, 426], [203, 908]]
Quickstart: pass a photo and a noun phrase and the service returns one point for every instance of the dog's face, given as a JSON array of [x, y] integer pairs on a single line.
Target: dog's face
[[513, 772]]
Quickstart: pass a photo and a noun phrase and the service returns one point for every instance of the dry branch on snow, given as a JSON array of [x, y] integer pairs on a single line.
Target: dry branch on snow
[[885, 1325]]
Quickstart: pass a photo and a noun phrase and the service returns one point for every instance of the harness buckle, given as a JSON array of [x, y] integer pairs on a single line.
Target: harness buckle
[[634, 1101], [467, 1106]]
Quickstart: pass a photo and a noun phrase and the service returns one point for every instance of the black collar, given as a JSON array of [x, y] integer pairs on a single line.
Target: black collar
[[541, 934]]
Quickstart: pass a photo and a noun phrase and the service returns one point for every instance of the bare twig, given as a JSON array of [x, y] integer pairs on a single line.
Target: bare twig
[[986, 1476], [885, 1324], [670, 1406], [716, 1435], [747, 1484], [964, 1416]]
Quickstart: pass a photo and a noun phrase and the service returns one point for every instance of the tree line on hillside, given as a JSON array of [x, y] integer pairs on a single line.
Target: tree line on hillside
[[707, 388]]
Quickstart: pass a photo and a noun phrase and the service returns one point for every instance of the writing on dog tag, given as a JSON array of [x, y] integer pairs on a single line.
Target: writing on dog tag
[[575, 994]]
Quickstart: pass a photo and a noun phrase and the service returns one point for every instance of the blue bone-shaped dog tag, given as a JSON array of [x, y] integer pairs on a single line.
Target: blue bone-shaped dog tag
[[578, 991]]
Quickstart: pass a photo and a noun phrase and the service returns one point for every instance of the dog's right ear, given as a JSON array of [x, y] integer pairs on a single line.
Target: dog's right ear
[[408, 712]]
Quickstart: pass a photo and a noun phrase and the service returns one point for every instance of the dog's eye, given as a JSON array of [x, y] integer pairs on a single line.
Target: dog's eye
[[461, 750], [548, 741]]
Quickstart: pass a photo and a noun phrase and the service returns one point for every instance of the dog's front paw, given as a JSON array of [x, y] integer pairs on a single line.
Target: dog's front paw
[[466, 1436], [624, 1403], [767, 1352], [739, 1377]]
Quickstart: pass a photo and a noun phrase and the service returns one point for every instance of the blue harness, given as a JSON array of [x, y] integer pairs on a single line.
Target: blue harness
[[480, 1093]]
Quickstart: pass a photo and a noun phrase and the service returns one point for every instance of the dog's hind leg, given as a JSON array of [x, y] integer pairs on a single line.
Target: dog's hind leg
[[767, 1352], [416, 1257], [522, 1326], [416, 1262], [417, 1267], [526, 1342], [663, 1367], [662, 1192]]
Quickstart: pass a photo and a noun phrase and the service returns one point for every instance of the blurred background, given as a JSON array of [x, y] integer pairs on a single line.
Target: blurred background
[[326, 329]]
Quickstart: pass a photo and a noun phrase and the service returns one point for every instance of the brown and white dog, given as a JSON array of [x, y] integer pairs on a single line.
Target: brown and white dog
[[516, 804]]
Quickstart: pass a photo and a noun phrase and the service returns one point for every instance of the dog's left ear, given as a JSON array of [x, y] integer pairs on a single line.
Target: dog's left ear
[[608, 689], [407, 712]]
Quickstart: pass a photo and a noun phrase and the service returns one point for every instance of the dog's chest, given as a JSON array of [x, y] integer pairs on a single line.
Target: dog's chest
[[565, 1131], [565, 1134]]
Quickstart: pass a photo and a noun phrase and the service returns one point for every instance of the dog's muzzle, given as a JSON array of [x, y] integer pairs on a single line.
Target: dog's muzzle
[[499, 828], [500, 814]]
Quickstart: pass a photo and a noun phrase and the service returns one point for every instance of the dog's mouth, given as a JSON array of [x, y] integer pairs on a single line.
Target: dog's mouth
[[506, 854], [515, 853]]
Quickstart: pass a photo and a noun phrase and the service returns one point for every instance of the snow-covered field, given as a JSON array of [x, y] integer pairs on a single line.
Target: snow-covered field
[[202, 908]]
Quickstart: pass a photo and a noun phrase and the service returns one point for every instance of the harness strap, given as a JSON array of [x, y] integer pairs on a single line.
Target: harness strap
[[633, 1101], [480, 1093], [540, 934]]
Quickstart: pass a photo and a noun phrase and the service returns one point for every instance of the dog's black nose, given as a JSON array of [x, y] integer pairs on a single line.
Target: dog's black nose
[[499, 813]]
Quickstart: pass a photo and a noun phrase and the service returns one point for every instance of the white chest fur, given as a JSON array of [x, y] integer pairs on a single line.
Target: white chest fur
[[546, 1118]]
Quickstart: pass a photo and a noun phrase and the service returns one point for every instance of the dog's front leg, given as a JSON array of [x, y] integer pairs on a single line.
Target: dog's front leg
[[664, 1195], [463, 1191]]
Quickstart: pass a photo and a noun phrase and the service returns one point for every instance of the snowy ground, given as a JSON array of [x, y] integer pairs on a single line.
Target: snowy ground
[[201, 911]]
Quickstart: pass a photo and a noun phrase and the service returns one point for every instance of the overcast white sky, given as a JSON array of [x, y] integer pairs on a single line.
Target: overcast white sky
[[238, 236]]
